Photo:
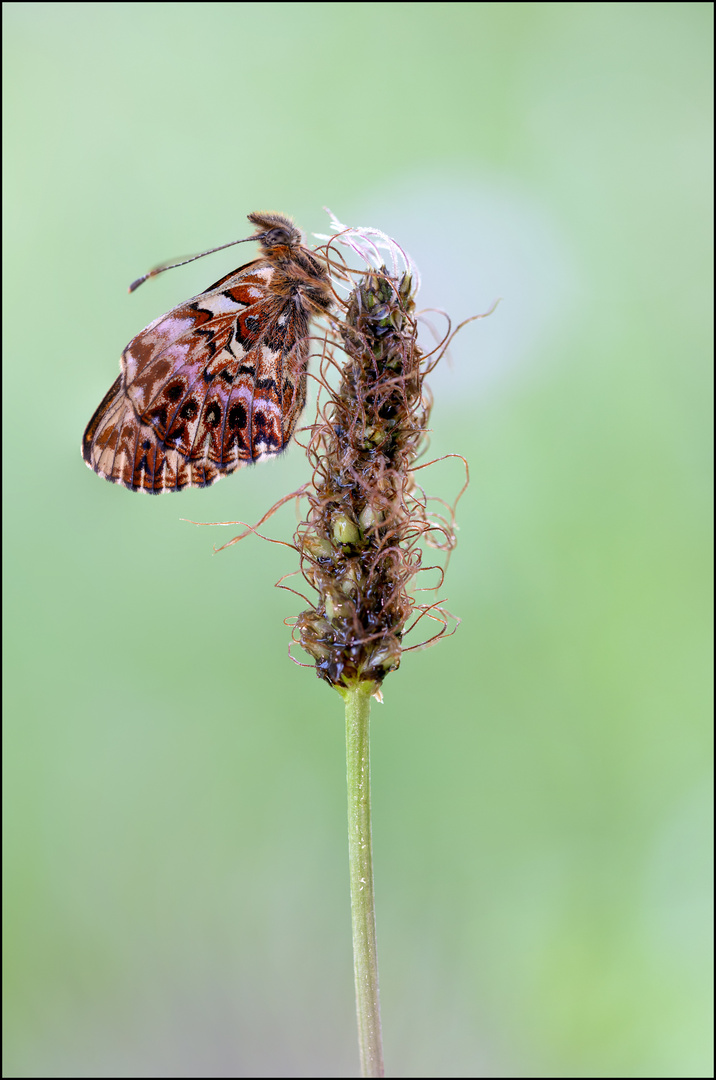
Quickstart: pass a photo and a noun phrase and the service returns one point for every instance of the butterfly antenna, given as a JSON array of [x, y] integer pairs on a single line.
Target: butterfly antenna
[[171, 266]]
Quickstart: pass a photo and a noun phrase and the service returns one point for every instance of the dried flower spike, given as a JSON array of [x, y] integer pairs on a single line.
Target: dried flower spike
[[359, 543]]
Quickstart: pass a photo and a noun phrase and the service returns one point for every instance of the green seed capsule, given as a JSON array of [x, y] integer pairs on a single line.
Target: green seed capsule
[[344, 530]]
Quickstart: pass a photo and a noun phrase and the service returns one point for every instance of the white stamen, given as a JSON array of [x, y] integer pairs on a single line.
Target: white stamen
[[361, 241]]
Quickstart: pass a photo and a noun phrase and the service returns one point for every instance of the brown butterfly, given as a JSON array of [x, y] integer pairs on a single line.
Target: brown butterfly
[[219, 381]]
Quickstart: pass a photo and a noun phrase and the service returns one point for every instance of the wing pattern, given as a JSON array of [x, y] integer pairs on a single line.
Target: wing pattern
[[217, 383]]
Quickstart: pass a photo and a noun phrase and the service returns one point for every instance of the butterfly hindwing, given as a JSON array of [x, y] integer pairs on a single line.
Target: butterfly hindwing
[[218, 382]]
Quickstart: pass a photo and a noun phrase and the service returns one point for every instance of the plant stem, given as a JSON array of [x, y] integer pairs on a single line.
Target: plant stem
[[360, 852]]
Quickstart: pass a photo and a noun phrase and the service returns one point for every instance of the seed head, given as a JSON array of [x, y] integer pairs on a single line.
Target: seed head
[[359, 543]]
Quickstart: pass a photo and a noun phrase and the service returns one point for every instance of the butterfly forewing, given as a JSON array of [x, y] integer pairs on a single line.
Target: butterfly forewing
[[216, 383]]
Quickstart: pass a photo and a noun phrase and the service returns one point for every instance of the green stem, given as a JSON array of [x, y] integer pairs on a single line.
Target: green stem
[[360, 852]]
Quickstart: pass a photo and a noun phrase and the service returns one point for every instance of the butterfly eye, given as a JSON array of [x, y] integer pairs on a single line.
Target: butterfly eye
[[277, 238]]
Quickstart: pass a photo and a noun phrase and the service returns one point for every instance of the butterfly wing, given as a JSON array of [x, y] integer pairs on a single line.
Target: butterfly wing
[[218, 382]]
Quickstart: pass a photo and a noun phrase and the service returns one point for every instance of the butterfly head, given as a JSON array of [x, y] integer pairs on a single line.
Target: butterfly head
[[275, 231]]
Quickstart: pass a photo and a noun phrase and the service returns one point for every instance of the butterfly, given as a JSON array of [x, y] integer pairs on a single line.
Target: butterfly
[[219, 381]]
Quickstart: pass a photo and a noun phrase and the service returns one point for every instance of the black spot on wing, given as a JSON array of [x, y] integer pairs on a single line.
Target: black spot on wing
[[212, 416], [237, 416]]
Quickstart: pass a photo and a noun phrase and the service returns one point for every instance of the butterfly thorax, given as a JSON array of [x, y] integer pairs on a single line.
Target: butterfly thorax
[[299, 277]]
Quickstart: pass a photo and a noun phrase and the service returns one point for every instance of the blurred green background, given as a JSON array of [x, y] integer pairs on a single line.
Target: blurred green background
[[175, 851]]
